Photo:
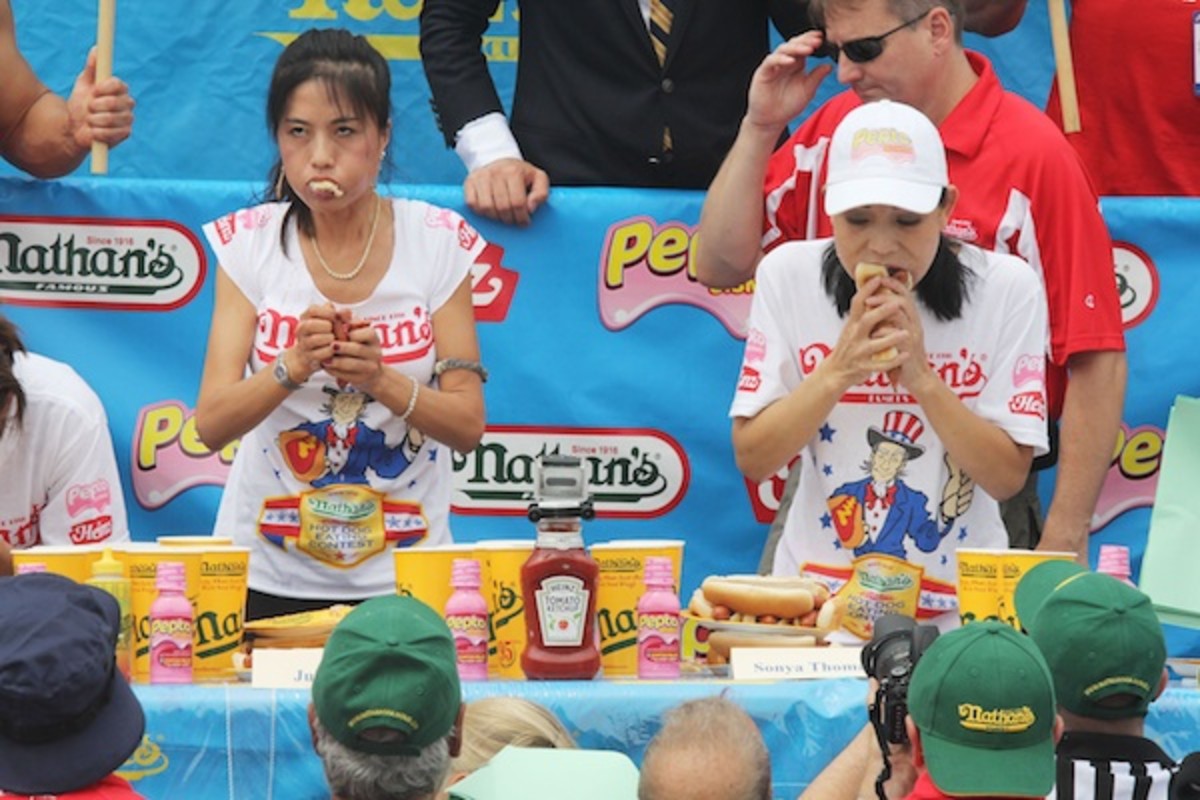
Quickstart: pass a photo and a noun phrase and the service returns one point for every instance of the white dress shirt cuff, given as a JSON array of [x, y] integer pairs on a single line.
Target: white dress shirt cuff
[[484, 140]]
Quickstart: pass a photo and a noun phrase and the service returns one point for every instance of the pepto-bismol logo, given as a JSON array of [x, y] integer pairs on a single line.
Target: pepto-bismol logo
[[631, 472], [101, 263]]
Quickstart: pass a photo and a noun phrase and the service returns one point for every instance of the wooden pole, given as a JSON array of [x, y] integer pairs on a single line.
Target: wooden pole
[[106, 23], [1064, 67]]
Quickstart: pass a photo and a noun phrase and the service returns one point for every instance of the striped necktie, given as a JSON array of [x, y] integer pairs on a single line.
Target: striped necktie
[[662, 13]]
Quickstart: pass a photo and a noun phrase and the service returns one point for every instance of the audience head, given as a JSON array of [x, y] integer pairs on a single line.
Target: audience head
[[1101, 638], [67, 716], [356, 79], [900, 9], [981, 704], [697, 735], [492, 723], [386, 702], [12, 396]]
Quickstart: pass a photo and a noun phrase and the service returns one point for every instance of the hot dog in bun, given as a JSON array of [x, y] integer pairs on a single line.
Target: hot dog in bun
[[863, 273], [766, 600]]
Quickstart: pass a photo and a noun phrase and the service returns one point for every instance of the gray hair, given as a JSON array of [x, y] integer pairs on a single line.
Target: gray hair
[[362, 776], [710, 730], [902, 9]]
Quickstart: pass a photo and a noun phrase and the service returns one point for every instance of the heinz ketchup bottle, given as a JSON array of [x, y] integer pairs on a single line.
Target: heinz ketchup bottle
[[558, 581]]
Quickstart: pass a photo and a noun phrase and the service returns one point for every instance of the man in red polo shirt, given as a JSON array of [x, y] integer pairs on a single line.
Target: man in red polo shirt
[[1023, 191]]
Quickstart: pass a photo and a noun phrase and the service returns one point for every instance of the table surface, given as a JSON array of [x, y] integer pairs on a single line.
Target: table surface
[[233, 741]]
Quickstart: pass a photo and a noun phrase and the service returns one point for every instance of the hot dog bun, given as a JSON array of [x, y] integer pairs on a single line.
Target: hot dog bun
[[721, 642], [761, 595], [865, 271]]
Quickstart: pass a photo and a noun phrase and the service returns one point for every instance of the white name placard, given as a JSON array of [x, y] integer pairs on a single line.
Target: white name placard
[[795, 663], [285, 668]]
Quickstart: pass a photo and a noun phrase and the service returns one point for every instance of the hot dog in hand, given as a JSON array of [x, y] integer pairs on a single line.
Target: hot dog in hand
[[863, 273]]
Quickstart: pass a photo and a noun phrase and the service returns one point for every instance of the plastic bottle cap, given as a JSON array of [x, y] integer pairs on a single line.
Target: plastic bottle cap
[[465, 573], [170, 575], [107, 565]]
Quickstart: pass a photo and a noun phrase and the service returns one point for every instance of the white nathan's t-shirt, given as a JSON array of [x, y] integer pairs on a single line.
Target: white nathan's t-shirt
[[328, 485], [868, 516], [60, 484]]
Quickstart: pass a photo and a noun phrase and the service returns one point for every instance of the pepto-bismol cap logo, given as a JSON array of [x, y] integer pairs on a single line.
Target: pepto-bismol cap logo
[[101, 263], [631, 472]]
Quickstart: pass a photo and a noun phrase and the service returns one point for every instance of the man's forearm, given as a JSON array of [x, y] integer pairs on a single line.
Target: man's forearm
[[1087, 435], [43, 144], [730, 240]]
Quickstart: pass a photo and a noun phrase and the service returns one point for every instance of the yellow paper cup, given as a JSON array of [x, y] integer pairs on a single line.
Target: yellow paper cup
[[220, 612], [195, 541], [73, 561], [987, 581], [424, 572], [621, 584], [501, 561], [980, 585]]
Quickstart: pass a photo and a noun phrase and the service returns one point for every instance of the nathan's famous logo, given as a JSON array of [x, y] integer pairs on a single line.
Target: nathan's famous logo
[[995, 720], [631, 472], [147, 760], [492, 285], [645, 265], [1137, 283], [962, 371], [100, 263], [500, 44]]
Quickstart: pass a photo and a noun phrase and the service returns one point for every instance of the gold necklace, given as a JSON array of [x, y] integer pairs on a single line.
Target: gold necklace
[[345, 276]]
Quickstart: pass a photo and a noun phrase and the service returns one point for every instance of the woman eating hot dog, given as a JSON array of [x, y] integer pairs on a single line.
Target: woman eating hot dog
[[914, 396]]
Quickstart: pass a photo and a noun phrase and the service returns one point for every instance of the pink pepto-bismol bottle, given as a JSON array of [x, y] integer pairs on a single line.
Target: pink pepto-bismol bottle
[[467, 618], [658, 639], [171, 624]]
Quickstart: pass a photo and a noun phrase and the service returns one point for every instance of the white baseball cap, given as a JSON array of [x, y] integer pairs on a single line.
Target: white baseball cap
[[885, 153]]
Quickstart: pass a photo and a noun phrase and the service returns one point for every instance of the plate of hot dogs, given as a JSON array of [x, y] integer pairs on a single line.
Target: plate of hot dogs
[[767, 605]]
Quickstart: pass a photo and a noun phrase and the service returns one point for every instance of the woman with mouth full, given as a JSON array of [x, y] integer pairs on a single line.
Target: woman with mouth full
[[905, 372], [343, 351]]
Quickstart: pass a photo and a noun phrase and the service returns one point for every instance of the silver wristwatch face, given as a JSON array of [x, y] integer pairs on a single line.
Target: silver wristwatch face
[[281, 374]]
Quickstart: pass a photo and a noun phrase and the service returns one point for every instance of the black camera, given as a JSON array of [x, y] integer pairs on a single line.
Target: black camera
[[896, 646]]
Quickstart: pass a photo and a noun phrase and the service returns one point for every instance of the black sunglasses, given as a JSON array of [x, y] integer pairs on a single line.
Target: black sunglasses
[[868, 48]]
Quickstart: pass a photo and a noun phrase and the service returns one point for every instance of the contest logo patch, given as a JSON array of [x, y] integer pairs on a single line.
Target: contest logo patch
[[1137, 283], [91, 262], [646, 264], [635, 473]]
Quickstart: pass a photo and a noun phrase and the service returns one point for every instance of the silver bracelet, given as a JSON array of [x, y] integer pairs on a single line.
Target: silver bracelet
[[447, 364], [412, 399]]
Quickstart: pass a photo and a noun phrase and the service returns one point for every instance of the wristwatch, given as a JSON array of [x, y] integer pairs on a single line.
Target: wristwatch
[[280, 371]]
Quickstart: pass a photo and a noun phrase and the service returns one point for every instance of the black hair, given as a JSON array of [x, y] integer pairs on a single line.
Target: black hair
[[10, 387], [943, 290], [352, 71]]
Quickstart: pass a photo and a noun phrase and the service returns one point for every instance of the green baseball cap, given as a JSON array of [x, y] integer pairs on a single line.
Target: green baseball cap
[[1099, 635], [390, 664], [983, 700]]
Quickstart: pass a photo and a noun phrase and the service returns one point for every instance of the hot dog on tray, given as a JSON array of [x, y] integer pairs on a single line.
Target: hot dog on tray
[[766, 600]]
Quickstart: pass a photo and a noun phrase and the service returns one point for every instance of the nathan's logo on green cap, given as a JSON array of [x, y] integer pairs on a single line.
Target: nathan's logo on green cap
[[995, 720]]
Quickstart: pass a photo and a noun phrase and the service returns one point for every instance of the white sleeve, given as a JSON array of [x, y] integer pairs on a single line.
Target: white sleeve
[[84, 503], [768, 372], [484, 140], [1015, 396]]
